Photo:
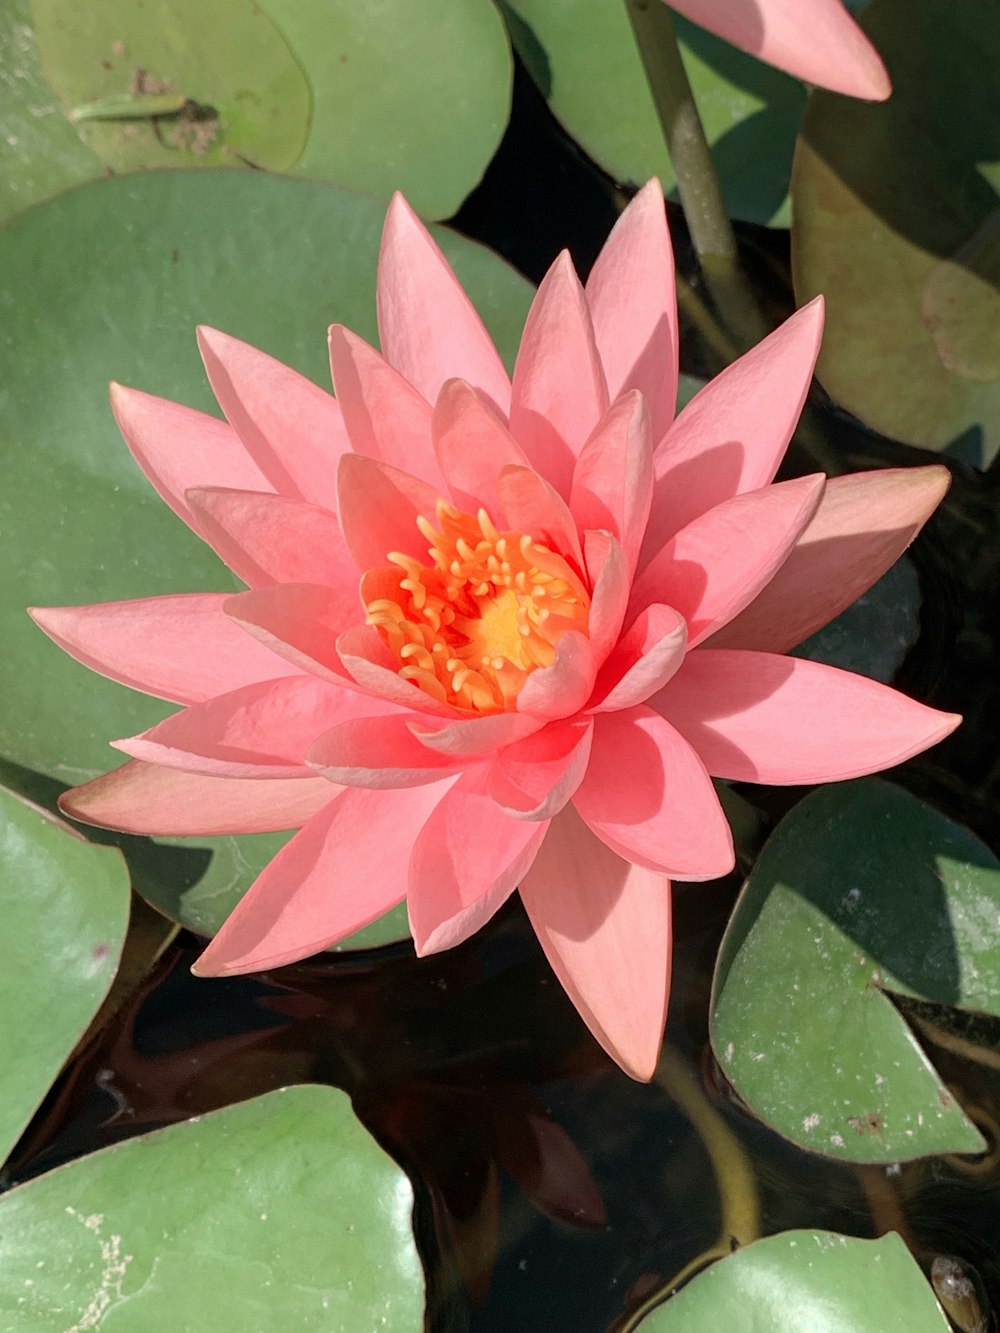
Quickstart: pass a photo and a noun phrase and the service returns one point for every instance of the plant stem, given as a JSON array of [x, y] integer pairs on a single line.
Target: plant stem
[[708, 222]]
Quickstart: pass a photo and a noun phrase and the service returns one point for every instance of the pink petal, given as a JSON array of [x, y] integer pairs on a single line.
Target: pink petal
[[259, 731], [379, 507], [613, 478], [716, 566], [291, 427], [562, 689], [559, 392], [634, 307], [476, 735], [467, 860], [733, 434], [757, 717], [643, 660], [531, 505], [816, 40], [164, 802], [344, 869], [183, 648], [364, 655], [472, 447], [385, 416], [267, 539], [378, 752], [863, 524], [609, 576], [647, 795], [605, 927], [534, 778], [298, 621], [428, 327], [178, 448]]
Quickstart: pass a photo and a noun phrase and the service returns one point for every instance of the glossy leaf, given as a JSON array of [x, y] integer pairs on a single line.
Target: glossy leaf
[[895, 222], [249, 101], [43, 153], [110, 281], [582, 55], [861, 891], [281, 1212], [804, 1281], [876, 632], [66, 909], [406, 97]]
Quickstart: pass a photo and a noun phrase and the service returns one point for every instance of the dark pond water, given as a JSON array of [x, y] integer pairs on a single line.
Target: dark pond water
[[552, 1192]]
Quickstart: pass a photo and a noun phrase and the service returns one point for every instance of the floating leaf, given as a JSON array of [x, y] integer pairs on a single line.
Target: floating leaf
[[876, 632], [66, 907], [895, 209], [583, 56], [861, 891], [407, 97], [246, 97], [43, 154], [804, 1282], [281, 1212], [110, 281]]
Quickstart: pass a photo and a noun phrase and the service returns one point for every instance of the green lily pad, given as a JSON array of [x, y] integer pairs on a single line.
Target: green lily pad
[[804, 1281], [583, 56], [66, 908], [876, 632], [109, 282], [895, 213], [280, 1212], [863, 890], [246, 97], [43, 153], [407, 97]]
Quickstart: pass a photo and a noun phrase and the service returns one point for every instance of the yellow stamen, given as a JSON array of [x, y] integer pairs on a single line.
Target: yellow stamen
[[471, 626]]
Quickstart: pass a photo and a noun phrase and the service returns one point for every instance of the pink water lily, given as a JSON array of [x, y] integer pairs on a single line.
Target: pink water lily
[[816, 40], [497, 634]]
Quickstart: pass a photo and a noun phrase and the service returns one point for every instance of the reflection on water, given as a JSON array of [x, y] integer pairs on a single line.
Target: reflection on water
[[553, 1192]]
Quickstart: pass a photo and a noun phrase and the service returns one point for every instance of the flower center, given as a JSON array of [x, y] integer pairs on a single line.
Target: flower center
[[471, 626]]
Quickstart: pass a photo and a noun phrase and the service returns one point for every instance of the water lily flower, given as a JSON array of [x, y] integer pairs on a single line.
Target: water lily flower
[[816, 40], [497, 634]]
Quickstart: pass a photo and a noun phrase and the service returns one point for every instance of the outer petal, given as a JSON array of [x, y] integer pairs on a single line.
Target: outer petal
[[466, 861], [298, 621], [536, 777], [178, 448], [291, 427], [385, 416], [267, 539], [559, 391], [816, 41], [634, 307], [344, 869], [379, 507], [647, 795], [757, 717], [429, 328], [733, 434], [378, 751], [644, 659], [605, 927], [863, 524], [146, 798], [716, 565], [613, 477], [259, 731], [183, 648], [472, 447]]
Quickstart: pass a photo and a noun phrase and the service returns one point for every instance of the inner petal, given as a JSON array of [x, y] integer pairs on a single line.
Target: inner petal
[[489, 607]]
